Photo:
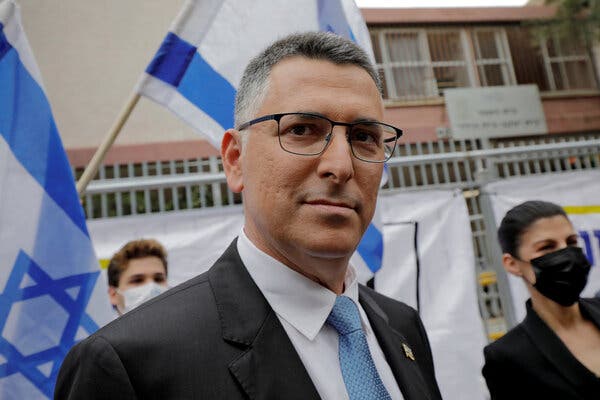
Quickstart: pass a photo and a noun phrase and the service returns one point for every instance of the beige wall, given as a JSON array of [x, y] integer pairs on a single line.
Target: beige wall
[[91, 54]]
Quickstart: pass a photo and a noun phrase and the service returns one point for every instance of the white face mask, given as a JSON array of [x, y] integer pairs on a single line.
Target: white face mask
[[135, 296]]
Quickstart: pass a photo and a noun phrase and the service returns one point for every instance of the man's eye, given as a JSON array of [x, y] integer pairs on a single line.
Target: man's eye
[[301, 130], [365, 137]]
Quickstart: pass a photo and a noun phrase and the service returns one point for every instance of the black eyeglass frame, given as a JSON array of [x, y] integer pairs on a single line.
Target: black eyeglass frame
[[277, 118]]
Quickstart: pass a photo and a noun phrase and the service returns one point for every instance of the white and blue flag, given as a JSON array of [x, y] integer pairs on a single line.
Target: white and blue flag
[[198, 66], [50, 292], [368, 258]]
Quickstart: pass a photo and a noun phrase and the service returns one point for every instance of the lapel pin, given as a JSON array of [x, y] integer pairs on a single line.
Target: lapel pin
[[408, 352]]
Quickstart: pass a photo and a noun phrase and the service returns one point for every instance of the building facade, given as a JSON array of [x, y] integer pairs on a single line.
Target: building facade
[[422, 52]]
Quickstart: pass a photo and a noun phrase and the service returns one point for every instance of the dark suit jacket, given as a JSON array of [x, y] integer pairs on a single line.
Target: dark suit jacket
[[216, 337], [531, 362]]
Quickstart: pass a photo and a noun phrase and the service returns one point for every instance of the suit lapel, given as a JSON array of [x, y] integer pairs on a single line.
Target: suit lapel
[[268, 364], [406, 370], [553, 349], [590, 308]]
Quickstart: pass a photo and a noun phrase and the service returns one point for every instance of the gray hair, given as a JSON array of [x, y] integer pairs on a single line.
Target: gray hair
[[314, 45]]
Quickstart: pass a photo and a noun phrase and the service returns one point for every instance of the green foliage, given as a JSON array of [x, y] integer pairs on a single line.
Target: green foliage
[[574, 19]]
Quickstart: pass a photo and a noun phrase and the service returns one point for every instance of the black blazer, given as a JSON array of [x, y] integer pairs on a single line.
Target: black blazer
[[531, 362], [216, 337]]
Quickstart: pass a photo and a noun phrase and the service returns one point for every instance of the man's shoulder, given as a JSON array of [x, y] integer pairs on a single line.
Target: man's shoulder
[[174, 309], [386, 303]]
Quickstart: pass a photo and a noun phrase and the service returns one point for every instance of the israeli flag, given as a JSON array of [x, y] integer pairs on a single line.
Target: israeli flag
[[368, 258], [197, 68], [50, 294]]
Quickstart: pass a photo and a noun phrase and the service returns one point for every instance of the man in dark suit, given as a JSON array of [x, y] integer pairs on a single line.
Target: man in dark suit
[[280, 315]]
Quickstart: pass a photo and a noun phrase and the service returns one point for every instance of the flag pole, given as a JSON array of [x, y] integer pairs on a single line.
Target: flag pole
[[92, 167]]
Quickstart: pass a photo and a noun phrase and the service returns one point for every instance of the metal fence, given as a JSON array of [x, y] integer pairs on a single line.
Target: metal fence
[[161, 187]]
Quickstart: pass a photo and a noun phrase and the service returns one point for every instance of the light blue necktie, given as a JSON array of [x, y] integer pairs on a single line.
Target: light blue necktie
[[360, 375]]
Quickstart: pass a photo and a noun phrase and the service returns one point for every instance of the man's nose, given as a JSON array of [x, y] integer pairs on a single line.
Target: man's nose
[[337, 159]]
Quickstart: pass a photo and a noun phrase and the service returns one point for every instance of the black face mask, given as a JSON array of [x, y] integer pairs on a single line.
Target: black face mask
[[562, 274]]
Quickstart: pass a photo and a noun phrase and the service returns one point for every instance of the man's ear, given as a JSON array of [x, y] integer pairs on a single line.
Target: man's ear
[[112, 295], [231, 156], [511, 265]]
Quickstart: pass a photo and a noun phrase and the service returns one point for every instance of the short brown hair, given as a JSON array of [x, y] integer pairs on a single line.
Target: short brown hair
[[131, 250]]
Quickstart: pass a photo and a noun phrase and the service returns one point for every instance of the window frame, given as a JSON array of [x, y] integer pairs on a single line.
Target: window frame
[[432, 90], [561, 61], [473, 62], [504, 61]]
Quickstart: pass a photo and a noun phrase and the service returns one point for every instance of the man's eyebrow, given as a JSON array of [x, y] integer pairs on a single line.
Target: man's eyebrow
[[311, 113], [136, 276], [366, 119], [359, 119]]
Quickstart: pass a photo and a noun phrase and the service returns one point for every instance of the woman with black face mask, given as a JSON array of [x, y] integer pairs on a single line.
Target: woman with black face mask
[[554, 353]]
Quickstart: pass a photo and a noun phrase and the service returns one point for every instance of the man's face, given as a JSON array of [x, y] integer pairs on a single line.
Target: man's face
[[139, 271], [307, 210]]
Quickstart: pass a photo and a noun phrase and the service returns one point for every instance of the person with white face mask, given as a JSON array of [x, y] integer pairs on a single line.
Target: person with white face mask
[[137, 273]]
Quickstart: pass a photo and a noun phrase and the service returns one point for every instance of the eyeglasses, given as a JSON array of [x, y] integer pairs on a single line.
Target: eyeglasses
[[308, 134]]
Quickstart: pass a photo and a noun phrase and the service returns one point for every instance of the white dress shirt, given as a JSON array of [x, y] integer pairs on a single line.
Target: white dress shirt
[[303, 306]]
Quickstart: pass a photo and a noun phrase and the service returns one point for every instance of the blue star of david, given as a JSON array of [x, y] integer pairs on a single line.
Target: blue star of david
[[27, 365]]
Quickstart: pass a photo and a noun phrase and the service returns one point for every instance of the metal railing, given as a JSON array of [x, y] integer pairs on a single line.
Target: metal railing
[[190, 184]]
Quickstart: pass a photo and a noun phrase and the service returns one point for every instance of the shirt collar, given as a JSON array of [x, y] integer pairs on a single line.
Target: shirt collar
[[300, 301]]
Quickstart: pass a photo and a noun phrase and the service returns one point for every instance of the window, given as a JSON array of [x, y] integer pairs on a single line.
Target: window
[[528, 61], [448, 59], [420, 63], [417, 64], [492, 57], [568, 64], [551, 63]]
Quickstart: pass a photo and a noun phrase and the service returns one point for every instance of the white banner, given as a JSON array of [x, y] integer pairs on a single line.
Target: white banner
[[578, 192], [447, 281], [429, 264], [193, 239]]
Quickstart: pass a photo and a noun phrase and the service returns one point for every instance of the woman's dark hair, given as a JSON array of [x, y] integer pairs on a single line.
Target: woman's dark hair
[[519, 218]]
